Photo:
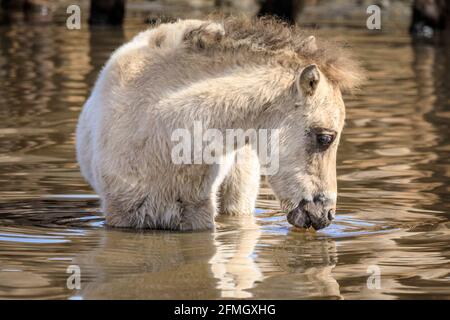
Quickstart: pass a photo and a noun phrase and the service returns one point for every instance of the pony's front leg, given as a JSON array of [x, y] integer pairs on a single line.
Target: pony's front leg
[[197, 216], [239, 190]]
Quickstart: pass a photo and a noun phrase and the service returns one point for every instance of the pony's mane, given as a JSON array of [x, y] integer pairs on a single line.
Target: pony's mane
[[268, 39]]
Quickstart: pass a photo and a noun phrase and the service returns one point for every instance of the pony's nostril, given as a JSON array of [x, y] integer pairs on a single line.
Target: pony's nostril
[[331, 214], [307, 219]]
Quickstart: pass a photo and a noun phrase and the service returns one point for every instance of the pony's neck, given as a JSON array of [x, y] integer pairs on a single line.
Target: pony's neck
[[243, 99], [240, 98]]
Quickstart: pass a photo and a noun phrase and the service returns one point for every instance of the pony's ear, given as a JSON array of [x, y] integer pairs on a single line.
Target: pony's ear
[[308, 80], [310, 44]]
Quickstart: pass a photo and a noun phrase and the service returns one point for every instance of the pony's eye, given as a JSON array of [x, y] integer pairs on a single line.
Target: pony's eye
[[325, 139]]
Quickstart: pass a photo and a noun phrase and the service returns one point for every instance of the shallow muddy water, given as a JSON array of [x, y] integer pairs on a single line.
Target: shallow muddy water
[[393, 205]]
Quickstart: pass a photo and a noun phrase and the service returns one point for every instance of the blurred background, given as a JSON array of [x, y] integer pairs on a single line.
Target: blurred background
[[393, 164], [426, 17]]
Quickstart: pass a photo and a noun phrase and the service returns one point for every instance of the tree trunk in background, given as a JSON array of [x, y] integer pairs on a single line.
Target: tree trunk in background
[[16, 5], [284, 9], [27, 10], [430, 17], [107, 12]]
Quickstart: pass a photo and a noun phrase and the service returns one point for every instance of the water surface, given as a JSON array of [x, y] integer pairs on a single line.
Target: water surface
[[393, 171]]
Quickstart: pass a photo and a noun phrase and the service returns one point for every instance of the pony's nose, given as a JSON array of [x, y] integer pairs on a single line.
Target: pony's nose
[[317, 213], [320, 212]]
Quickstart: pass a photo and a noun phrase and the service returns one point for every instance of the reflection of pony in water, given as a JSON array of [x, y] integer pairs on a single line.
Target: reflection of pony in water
[[158, 265], [225, 264], [149, 265], [305, 263], [235, 269]]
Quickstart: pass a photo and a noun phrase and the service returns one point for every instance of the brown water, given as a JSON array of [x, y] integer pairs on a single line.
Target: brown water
[[393, 169]]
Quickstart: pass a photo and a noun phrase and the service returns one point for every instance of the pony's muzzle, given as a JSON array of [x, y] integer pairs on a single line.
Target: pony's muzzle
[[317, 214]]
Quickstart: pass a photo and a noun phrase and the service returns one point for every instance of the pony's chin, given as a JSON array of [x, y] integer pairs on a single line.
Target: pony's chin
[[299, 218]]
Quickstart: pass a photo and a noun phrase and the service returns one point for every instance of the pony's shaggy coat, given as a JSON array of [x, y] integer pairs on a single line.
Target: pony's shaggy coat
[[269, 41], [228, 73]]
